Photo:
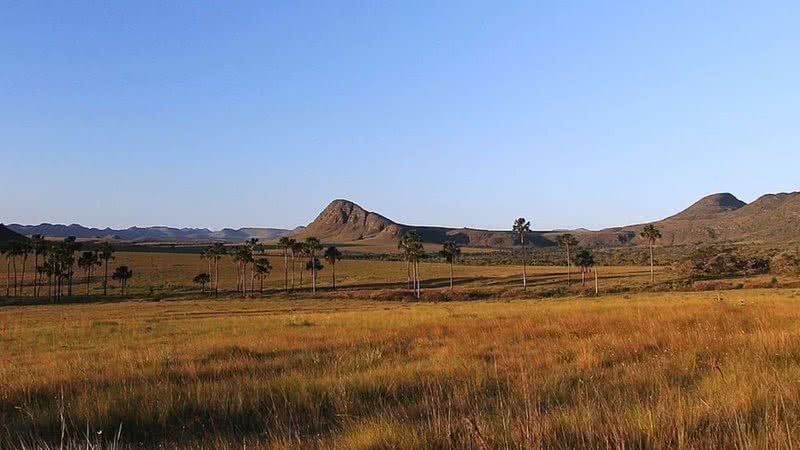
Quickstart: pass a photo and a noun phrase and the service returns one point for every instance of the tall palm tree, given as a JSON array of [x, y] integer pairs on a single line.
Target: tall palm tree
[[451, 251], [106, 253], [39, 245], [242, 256], [25, 250], [262, 268], [403, 245], [332, 255], [651, 234], [297, 249], [520, 229], [122, 274], [313, 245], [314, 265], [71, 245], [88, 261], [567, 240], [13, 251], [286, 244], [215, 253], [413, 251], [585, 260], [254, 248], [5, 252]]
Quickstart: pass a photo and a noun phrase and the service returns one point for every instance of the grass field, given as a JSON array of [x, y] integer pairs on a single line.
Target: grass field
[[168, 367], [678, 370], [168, 275]]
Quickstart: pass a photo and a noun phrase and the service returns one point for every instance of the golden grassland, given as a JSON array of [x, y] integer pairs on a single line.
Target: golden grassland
[[650, 370], [167, 367], [163, 274]]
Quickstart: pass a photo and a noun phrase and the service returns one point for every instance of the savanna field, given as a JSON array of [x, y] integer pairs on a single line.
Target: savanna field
[[369, 368]]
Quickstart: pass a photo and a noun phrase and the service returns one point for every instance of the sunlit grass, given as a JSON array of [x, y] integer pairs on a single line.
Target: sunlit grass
[[647, 370]]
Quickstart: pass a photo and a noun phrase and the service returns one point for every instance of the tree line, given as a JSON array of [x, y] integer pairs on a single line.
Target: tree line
[[55, 262], [59, 262]]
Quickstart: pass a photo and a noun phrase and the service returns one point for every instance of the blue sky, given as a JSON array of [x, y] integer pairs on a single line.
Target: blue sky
[[213, 114]]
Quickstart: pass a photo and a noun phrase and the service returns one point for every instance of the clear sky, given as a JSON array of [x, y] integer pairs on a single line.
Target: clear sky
[[213, 114]]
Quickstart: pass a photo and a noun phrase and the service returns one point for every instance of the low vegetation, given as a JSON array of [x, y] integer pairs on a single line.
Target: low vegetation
[[652, 371]]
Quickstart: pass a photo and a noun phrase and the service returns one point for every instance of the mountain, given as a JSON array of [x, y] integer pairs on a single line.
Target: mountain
[[151, 233], [715, 218], [344, 221], [7, 235], [772, 218]]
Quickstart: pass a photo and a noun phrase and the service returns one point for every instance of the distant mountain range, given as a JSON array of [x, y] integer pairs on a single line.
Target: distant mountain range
[[152, 233], [773, 218]]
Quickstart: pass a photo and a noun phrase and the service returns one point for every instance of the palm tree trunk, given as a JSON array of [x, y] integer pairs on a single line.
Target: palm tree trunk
[[333, 268], [596, 288], [22, 281], [105, 279], [408, 273], [419, 282], [216, 277], [36, 274], [524, 267], [293, 270], [285, 269], [14, 265], [652, 269], [569, 268], [8, 276], [451, 275]]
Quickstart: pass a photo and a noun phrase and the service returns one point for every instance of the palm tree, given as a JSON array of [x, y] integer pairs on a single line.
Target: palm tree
[[332, 255], [215, 253], [106, 252], [313, 245], [71, 245], [39, 245], [585, 260], [286, 244], [25, 249], [651, 234], [413, 251], [202, 279], [567, 240], [13, 251], [451, 251], [297, 249], [262, 268], [403, 245], [5, 251], [314, 265], [88, 261], [122, 274], [520, 229], [254, 248]]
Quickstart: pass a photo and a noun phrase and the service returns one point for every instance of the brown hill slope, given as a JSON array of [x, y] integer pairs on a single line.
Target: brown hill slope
[[6, 235], [714, 218], [344, 221], [718, 218]]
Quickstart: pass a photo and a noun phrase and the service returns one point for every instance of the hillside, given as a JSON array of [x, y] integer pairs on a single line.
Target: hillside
[[344, 221], [7, 235], [715, 218]]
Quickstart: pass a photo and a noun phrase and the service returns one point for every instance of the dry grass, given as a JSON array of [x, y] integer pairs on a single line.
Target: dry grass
[[682, 370], [160, 275]]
